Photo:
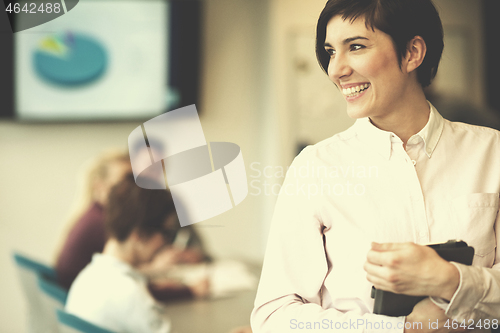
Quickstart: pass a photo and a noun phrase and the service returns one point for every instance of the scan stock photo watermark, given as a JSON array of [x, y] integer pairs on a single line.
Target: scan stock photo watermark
[[310, 180]]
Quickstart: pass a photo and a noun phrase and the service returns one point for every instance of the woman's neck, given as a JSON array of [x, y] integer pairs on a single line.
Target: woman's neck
[[406, 119]]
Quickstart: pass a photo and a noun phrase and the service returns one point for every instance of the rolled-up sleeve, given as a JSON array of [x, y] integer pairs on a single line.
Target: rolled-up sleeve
[[478, 294]]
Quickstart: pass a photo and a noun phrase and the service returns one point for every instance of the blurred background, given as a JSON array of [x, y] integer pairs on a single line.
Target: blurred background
[[250, 68]]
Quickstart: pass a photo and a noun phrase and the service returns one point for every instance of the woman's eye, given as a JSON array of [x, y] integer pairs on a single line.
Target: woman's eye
[[331, 52], [355, 47]]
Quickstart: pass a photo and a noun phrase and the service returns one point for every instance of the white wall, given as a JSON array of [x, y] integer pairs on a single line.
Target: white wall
[[289, 17], [235, 85]]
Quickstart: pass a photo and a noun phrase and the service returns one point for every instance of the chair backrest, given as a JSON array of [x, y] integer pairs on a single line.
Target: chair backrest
[[28, 272], [51, 288], [52, 298], [69, 323]]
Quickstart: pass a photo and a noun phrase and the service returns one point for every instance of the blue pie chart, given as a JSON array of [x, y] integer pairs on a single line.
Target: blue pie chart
[[70, 59]]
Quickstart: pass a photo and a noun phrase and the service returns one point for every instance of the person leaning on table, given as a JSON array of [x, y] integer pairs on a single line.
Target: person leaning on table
[[399, 177], [112, 291]]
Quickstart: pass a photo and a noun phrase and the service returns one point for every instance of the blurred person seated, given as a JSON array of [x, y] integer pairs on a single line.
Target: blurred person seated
[[86, 234], [183, 246], [111, 291]]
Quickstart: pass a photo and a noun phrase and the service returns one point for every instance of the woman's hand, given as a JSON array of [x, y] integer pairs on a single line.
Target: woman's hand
[[201, 288], [168, 258], [190, 256], [411, 269], [198, 289], [161, 263], [427, 317]]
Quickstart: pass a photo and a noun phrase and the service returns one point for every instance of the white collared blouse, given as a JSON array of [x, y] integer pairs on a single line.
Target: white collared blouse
[[360, 186]]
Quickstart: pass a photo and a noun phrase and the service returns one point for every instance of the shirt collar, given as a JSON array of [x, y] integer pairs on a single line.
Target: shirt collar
[[376, 139], [381, 141], [432, 131]]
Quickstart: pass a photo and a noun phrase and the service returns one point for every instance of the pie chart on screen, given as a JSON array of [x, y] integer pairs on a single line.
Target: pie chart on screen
[[70, 59]]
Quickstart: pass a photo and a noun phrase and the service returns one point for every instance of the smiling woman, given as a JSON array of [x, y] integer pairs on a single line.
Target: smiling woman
[[361, 57], [326, 251], [381, 47]]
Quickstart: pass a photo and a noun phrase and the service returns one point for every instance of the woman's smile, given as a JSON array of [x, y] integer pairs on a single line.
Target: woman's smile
[[352, 92], [365, 66]]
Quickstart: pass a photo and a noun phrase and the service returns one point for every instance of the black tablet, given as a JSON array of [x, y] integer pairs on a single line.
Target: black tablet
[[395, 305]]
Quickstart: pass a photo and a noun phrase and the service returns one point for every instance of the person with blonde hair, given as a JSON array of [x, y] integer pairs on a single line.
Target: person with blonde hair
[[86, 234]]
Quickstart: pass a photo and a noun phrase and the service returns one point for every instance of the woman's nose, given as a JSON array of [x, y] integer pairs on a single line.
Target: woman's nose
[[339, 68]]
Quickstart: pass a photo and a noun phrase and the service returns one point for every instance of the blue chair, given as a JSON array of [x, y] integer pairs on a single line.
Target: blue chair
[[51, 288], [52, 297], [69, 323], [29, 271]]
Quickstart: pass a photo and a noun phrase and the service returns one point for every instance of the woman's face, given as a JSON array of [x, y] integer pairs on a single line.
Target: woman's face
[[365, 67]]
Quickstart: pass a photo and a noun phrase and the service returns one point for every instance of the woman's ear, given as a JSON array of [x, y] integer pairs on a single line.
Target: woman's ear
[[415, 53]]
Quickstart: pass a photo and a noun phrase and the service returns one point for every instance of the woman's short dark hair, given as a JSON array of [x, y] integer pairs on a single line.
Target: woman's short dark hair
[[400, 19], [131, 207]]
